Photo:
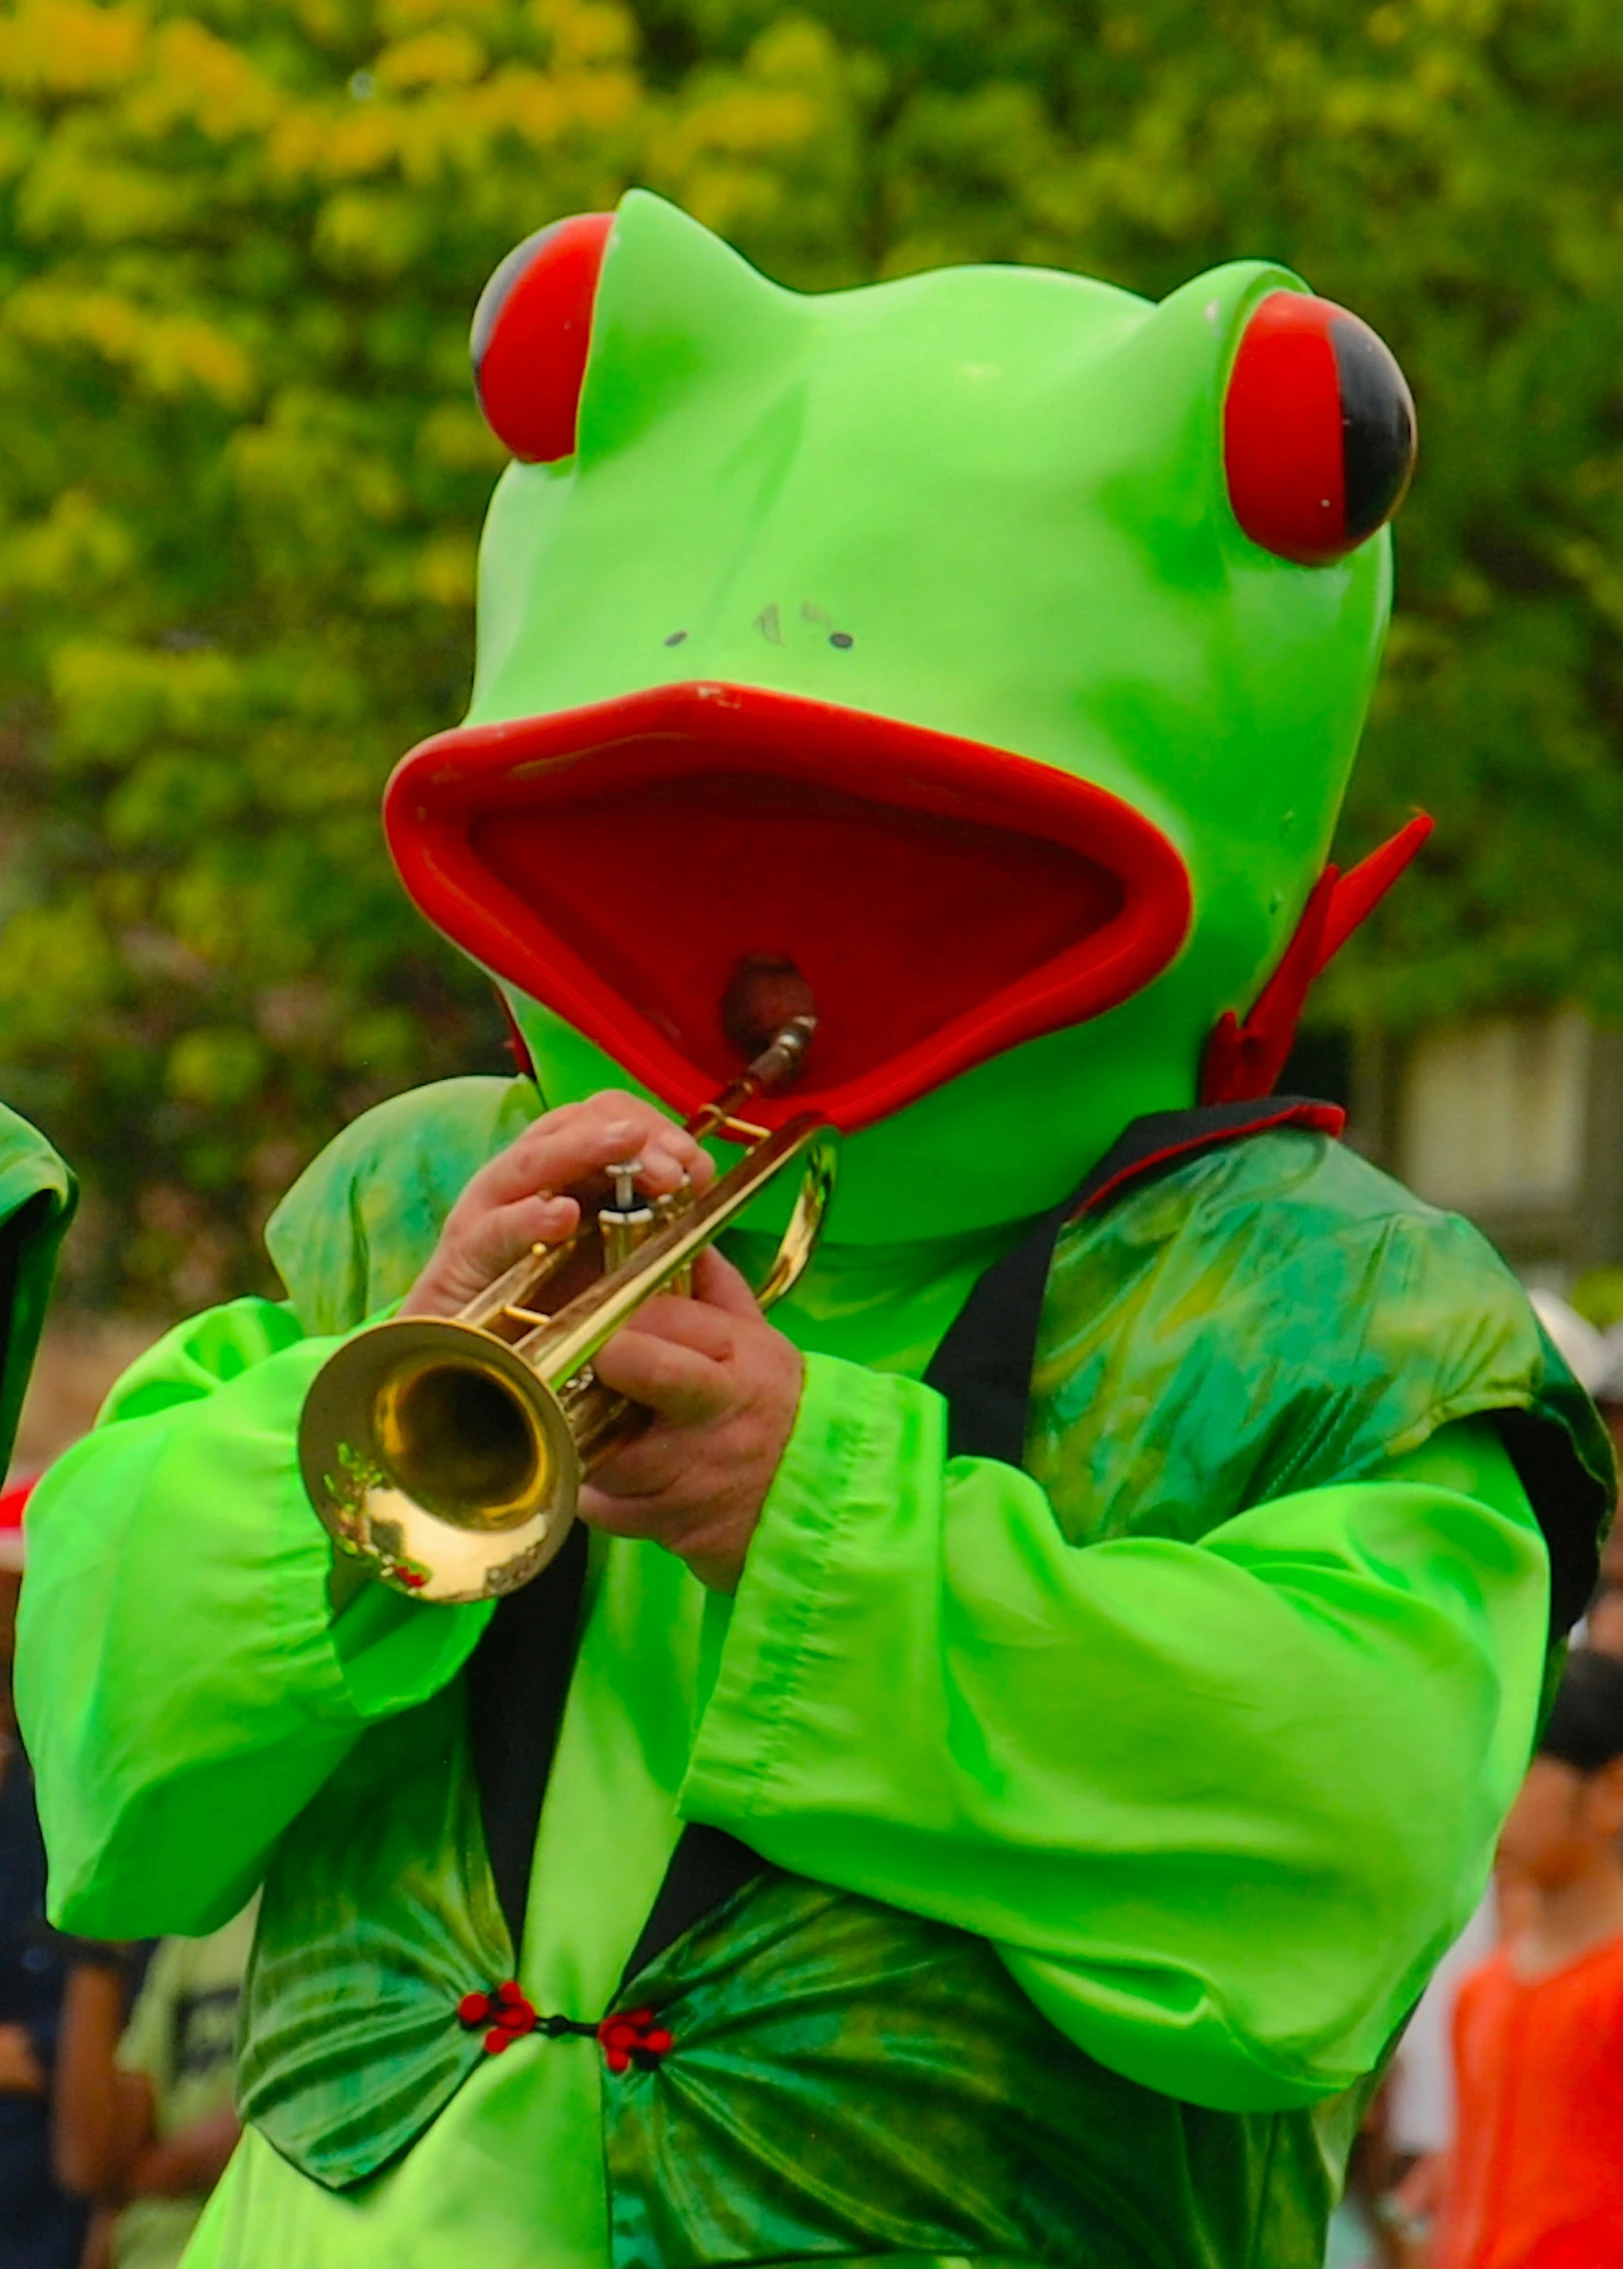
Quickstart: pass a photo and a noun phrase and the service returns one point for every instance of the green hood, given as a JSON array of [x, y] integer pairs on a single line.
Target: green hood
[[37, 1198]]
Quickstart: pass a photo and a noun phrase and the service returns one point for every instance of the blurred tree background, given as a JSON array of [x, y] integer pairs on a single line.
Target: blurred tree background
[[242, 474]]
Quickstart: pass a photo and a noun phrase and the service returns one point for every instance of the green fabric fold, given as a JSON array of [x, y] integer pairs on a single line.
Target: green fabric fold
[[218, 1695], [353, 1233], [851, 2081], [1207, 1719], [38, 1195], [1218, 1806], [367, 1942]]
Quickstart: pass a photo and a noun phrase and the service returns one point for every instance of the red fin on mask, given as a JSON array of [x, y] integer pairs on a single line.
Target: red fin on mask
[[515, 1043], [1243, 1061]]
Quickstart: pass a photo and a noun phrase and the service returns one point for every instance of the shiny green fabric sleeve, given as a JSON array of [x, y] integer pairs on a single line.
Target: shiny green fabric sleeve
[[1219, 1805], [37, 1196], [182, 1684]]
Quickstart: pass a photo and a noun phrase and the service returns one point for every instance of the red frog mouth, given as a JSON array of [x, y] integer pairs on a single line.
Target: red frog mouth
[[945, 900]]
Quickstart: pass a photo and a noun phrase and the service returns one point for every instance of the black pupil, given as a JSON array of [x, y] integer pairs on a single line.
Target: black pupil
[[1377, 426]]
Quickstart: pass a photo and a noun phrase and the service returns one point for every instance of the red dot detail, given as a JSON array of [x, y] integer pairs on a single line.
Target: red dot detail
[[632, 2036], [496, 2041], [473, 2008]]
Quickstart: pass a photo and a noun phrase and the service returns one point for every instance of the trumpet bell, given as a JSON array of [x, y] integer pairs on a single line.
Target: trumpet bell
[[438, 1461], [445, 1455]]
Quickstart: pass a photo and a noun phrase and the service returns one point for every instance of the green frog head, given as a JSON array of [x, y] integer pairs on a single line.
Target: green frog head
[[992, 644]]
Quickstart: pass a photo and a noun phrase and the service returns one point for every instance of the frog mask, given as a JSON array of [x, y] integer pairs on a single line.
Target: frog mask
[[992, 643]]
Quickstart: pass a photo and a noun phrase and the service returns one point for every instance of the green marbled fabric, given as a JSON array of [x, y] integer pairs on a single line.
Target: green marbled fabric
[[357, 1226], [378, 1915], [849, 2080], [1273, 1316]]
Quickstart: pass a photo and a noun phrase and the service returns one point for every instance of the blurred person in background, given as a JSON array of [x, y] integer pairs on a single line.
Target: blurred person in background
[[41, 2226], [1604, 1627], [1418, 2099], [1535, 2177], [1365, 2233], [145, 2120], [1417, 2106]]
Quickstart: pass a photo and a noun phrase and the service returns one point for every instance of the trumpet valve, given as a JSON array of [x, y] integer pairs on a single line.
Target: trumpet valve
[[629, 1219], [667, 1208], [632, 1219], [623, 1175]]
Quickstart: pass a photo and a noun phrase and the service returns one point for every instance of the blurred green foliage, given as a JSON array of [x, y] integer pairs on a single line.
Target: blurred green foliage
[[1598, 1297], [243, 476]]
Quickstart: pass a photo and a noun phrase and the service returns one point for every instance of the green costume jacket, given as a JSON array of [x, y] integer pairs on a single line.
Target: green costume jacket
[[1115, 1807], [37, 1198]]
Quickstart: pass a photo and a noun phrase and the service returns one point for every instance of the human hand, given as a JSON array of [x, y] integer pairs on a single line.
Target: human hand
[[724, 1388], [1407, 2216], [21, 2073], [190, 2162], [520, 1198]]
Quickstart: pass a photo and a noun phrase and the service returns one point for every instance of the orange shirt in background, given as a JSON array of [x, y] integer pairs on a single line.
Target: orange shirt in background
[[1536, 2178]]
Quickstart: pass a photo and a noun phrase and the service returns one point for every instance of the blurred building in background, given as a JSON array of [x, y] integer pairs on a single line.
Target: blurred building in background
[[1514, 1121]]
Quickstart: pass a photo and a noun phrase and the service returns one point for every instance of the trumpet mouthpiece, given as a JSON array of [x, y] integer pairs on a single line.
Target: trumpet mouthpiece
[[778, 1064]]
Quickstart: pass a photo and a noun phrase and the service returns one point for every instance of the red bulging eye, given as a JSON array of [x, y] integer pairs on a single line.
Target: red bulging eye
[[531, 332], [1318, 430]]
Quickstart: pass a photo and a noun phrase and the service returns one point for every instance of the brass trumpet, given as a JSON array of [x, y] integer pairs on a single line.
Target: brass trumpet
[[445, 1456]]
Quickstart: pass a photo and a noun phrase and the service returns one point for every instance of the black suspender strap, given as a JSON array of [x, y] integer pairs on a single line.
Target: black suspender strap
[[983, 1366], [706, 1868], [517, 1684]]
